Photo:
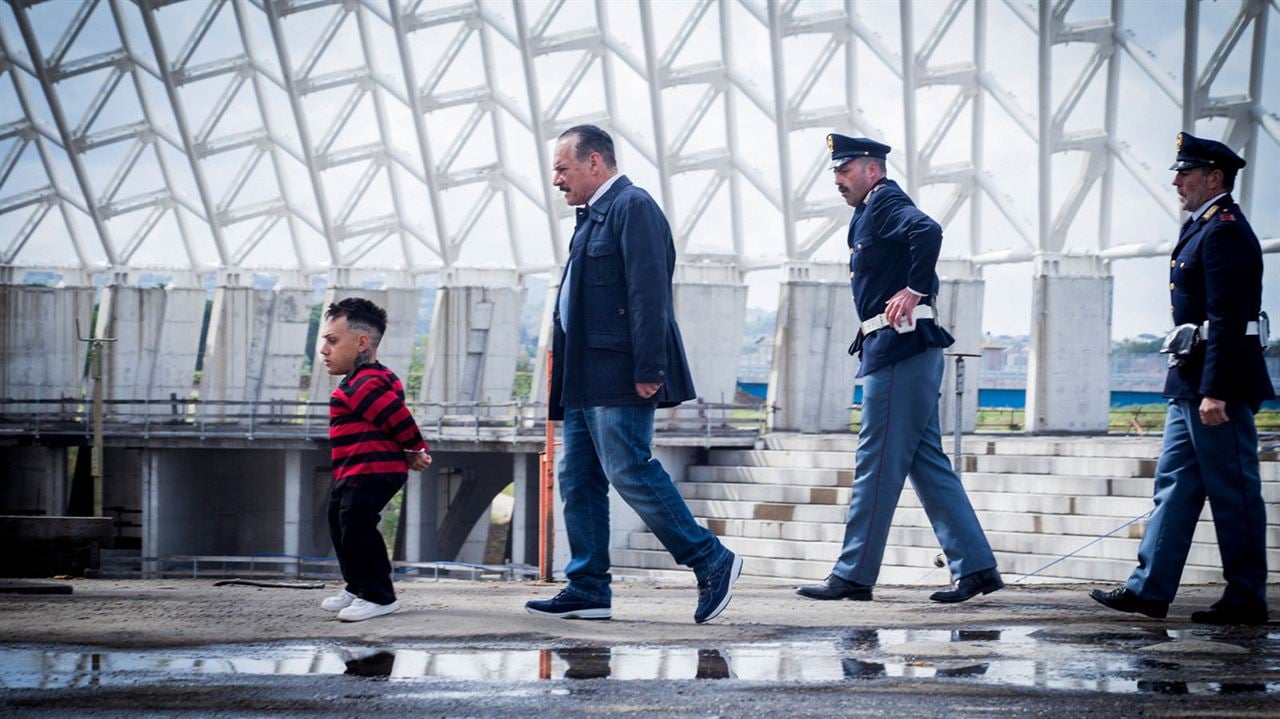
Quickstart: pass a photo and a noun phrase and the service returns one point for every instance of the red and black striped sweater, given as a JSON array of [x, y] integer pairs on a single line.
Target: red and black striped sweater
[[370, 427]]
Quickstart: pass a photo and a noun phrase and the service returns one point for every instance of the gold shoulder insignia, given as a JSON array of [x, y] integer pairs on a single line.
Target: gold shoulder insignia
[[1209, 212]]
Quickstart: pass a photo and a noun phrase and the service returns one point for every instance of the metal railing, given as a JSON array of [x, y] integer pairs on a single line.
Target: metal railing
[[287, 566], [309, 419]]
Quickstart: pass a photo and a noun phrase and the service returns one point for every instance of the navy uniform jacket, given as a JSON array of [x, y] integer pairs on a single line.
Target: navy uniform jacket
[[622, 325], [892, 245], [1215, 274]]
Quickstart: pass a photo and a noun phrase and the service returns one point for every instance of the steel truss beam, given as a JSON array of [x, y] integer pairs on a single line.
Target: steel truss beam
[[578, 45]]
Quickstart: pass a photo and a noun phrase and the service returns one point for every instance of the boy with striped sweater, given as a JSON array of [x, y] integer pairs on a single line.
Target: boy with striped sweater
[[374, 442]]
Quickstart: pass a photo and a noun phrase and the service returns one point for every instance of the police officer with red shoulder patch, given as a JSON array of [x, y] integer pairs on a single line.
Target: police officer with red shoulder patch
[[1217, 380]]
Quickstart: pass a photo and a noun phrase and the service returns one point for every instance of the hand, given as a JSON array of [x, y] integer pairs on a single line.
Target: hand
[[418, 461], [647, 389], [900, 306], [1213, 412]]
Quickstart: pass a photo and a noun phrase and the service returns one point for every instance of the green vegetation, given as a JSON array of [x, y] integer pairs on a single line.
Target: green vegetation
[[417, 366], [390, 523], [522, 388]]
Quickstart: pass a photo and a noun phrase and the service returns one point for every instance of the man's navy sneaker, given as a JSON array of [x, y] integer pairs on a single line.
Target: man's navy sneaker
[[715, 592], [567, 606]]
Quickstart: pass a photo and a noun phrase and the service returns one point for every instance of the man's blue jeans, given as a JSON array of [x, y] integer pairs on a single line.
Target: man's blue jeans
[[1198, 462], [900, 435], [610, 445]]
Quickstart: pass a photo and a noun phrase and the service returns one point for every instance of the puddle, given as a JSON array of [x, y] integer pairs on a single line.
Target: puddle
[[1011, 656]]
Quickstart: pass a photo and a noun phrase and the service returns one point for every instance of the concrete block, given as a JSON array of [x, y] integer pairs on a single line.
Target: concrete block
[[157, 333], [40, 357], [475, 338], [1068, 372], [711, 305], [811, 382], [959, 306], [255, 349]]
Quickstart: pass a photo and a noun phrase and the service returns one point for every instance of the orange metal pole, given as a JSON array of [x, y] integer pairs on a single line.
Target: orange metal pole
[[546, 486]]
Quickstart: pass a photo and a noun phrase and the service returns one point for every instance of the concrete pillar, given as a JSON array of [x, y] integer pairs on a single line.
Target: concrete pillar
[[157, 333], [475, 337], [40, 357], [254, 349], [421, 514], [811, 383], [293, 508], [711, 308], [959, 305], [538, 390], [152, 508], [1068, 372], [396, 349], [33, 480], [524, 515]]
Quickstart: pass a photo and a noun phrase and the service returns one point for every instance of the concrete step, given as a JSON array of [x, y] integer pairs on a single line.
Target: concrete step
[[907, 520], [1110, 446], [911, 545], [771, 475], [1107, 467], [763, 484], [1012, 566], [1042, 504], [1022, 464]]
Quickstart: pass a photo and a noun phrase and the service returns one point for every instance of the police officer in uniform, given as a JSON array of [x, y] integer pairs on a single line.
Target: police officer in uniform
[[893, 250], [1217, 380]]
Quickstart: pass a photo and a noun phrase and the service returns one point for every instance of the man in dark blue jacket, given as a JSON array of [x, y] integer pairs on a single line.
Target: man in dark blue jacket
[[617, 355], [1217, 380], [893, 250]]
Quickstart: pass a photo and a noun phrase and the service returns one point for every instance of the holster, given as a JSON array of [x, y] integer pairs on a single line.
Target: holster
[[1180, 342]]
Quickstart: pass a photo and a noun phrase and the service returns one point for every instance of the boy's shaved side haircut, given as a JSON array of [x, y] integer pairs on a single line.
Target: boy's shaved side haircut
[[362, 316]]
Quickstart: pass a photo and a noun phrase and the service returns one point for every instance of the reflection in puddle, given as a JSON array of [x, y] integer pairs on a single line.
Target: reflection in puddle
[[1009, 656]]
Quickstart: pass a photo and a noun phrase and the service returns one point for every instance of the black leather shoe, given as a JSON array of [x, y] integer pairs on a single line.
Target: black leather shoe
[[970, 586], [836, 588], [1123, 600], [1223, 613]]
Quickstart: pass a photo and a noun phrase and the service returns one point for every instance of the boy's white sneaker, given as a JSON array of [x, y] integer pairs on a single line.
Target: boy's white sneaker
[[338, 602], [361, 610]]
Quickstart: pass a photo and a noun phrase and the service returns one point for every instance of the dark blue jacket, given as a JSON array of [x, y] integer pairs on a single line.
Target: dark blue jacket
[[892, 245], [622, 324], [1215, 274]]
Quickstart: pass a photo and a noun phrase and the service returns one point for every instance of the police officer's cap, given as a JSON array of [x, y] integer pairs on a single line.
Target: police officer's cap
[[844, 149], [1194, 152]]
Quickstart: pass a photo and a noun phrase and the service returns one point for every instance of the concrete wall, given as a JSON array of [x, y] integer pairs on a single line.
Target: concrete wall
[[443, 507], [711, 308], [214, 502], [811, 383], [40, 357], [960, 308], [255, 345], [475, 337], [33, 480], [1069, 372], [157, 333]]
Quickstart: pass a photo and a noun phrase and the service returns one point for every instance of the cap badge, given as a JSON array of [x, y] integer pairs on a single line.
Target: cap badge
[[1179, 142]]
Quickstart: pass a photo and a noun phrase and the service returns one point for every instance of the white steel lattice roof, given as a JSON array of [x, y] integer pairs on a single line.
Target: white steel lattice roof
[[315, 136]]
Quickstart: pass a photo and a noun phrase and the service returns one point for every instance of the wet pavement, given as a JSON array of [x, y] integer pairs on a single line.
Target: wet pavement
[[1049, 661]]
